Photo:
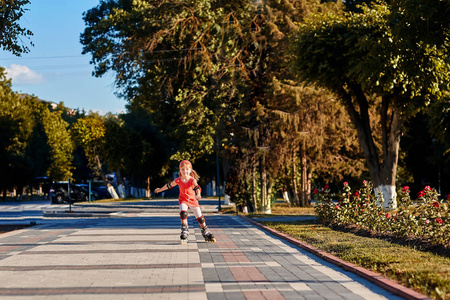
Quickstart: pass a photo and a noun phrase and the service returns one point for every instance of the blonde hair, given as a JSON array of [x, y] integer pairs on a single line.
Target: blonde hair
[[195, 175], [188, 163]]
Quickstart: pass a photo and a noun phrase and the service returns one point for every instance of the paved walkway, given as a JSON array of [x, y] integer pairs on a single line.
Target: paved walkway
[[138, 256]]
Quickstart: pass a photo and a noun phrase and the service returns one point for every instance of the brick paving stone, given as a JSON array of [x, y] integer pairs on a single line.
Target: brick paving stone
[[139, 256]]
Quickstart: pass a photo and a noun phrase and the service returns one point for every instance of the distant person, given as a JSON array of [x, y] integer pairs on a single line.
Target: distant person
[[190, 193]]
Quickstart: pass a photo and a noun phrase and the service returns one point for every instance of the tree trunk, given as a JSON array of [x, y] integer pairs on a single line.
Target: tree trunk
[[99, 165], [294, 180], [147, 188], [269, 192], [308, 186], [382, 173], [255, 202], [305, 180], [265, 204]]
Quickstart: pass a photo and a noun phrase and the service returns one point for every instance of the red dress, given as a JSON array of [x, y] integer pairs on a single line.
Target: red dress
[[187, 194]]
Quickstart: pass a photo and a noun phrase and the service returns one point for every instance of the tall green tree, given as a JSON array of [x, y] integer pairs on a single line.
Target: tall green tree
[[89, 133], [370, 58], [147, 151], [34, 141], [203, 69], [174, 59], [279, 106], [59, 143], [16, 123], [10, 30]]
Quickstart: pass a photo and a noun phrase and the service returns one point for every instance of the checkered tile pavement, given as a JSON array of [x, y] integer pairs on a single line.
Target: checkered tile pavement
[[140, 257]]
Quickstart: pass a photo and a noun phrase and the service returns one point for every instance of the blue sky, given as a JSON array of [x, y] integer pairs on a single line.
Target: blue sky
[[54, 69]]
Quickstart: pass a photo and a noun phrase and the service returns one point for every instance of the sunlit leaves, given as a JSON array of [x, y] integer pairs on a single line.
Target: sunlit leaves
[[11, 11]]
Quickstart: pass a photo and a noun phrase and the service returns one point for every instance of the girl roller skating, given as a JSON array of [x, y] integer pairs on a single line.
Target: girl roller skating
[[190, 193]]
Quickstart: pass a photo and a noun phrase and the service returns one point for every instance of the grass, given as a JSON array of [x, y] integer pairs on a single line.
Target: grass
[[424, 272]]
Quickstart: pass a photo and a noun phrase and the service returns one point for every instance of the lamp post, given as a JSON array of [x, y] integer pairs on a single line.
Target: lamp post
[[70, 198], [218, 172]]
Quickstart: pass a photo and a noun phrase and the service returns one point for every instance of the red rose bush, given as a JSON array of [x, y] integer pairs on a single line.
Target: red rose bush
[[427, 217]]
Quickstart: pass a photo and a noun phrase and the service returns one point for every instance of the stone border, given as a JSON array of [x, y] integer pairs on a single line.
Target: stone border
[[376, 278]]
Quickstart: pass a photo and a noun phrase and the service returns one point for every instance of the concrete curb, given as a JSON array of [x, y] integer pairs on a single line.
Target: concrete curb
[[75, 214], [376, 278]]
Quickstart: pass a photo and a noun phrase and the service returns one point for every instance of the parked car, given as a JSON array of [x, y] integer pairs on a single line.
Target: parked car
[[97, 192], [59, 193], [102, 192]]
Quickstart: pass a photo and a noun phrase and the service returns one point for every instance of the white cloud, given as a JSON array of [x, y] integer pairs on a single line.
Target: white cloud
[[23, 75]]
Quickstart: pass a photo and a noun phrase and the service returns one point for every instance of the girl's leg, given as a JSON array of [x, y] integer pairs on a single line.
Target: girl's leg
[[184, 223], [183, 214], [209, 237], [198, 216]]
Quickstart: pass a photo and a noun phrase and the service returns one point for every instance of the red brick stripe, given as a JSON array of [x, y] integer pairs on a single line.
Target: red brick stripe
[[259, 295], [6, 248], [235, 256], [224, 242], [247, 274]]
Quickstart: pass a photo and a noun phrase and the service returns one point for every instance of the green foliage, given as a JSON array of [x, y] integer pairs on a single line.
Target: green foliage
[[379, 50], [34, 141], [376, 53], [89, 133], [439, 122], [59, 142], [171, 58], [10, 31], [210, 72], [140, 147], [17, 123]]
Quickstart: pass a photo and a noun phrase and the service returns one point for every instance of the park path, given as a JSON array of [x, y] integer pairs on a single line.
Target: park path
[[137, 255]]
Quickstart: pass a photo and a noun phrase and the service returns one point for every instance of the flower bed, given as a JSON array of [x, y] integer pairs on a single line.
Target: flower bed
[[427, 217]]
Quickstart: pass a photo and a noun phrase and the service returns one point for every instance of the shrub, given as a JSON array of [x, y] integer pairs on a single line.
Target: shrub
[[427, 217]]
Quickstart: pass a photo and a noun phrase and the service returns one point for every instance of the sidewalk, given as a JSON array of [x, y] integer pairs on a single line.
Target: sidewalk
[[138, 256]]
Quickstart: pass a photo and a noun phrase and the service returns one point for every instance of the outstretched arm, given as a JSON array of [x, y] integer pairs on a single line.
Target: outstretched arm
[[166, 187]]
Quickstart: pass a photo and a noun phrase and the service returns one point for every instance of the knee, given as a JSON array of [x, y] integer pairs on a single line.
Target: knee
[[201, 220], [183, 215]]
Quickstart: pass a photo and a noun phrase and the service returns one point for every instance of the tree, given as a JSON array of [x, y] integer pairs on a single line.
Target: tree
[[173, 59], [319, 140], [279, 110], [59, 143], [203, 70], [89, 133], [17, 123], [147, 151], [33, 140], [370, 59], [10, 13]]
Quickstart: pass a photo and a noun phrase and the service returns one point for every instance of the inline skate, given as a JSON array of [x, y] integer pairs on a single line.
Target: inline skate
[[207, 235], [184, 236]]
